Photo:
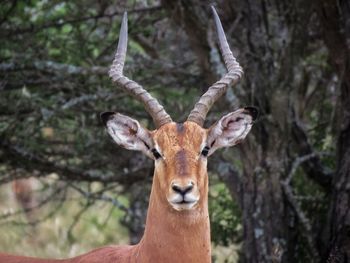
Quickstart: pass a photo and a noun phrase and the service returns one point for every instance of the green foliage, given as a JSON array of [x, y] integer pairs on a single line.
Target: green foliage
[[225, 216]]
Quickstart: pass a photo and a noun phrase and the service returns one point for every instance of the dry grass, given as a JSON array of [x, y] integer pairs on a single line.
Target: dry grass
[[98, 226]]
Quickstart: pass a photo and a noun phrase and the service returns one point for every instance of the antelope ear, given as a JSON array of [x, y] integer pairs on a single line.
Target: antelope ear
[[231, 129], [128, 133]]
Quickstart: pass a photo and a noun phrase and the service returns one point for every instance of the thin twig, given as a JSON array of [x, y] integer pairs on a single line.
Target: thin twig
[[60, 22], [299, 161], [100, 197], [39, 205], [287, 189]]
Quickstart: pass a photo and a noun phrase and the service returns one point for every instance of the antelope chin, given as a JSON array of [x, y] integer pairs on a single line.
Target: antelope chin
[[183, 206], [180, 203]]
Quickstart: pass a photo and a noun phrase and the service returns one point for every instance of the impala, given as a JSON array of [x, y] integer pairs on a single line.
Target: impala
[[177, 226], [23, 190]]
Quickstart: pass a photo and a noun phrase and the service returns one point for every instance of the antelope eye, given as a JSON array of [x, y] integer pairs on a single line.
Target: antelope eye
[[205, 151], [156, 154]]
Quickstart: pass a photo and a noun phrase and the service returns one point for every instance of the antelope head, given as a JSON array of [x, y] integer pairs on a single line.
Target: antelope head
[[180, 150]]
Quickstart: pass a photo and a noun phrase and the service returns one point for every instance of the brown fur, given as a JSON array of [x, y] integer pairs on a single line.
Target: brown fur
[[23, 192], [170, 235]]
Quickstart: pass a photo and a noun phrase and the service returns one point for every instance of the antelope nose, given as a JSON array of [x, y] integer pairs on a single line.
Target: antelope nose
[[182, 189]]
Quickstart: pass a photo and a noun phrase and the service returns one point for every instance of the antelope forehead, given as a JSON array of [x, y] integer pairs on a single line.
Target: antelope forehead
[[175, 136], [181, 162]]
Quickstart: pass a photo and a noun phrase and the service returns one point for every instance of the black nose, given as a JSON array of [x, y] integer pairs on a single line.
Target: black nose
[[182, 189]]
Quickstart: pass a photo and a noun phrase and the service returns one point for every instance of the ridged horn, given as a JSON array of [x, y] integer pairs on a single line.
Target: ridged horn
[[152, 106], [215, 91]]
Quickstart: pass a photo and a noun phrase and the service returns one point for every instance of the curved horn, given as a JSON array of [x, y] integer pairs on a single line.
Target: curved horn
[[153, 107], [215, 91]]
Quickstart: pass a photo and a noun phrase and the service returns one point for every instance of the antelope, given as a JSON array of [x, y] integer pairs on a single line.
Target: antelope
[[177, 225], [23, 193]]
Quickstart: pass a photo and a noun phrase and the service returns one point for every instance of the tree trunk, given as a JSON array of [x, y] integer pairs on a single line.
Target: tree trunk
[[335, 20]]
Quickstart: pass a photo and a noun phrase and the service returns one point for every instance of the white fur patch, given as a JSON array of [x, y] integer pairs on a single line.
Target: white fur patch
[[129, 134]]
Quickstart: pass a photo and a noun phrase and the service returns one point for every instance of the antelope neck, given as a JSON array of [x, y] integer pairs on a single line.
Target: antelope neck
[[175, 236]]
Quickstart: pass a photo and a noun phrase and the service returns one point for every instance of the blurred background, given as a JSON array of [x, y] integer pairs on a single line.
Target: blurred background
[[65, 188]]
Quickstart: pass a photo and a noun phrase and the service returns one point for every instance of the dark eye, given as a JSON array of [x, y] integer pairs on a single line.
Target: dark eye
[[205, 151], [156, 154]]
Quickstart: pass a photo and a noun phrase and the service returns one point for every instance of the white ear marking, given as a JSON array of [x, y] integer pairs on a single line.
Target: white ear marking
[[128, 133], [231, 129]]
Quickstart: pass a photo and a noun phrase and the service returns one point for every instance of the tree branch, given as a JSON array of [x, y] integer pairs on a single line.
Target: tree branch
[[20, 157], [312, 165], [305, 222], [32, 28], [53, 67]]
